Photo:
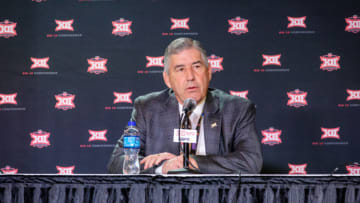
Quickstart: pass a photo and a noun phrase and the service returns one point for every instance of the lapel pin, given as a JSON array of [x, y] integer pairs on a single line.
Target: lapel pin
[[213, 125]]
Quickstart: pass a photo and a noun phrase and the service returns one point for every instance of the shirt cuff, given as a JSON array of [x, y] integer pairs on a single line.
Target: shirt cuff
[[158, 170]]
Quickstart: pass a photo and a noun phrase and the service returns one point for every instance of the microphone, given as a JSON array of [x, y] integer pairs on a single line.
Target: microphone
[[189, 105], [184, 122]]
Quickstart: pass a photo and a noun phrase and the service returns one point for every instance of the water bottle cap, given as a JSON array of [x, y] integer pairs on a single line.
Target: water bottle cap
[[131, 123]]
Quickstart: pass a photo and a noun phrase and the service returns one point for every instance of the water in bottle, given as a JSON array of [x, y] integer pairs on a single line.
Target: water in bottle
[[131, 146]]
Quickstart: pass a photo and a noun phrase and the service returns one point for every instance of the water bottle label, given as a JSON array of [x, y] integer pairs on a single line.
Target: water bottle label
[[131, 142]]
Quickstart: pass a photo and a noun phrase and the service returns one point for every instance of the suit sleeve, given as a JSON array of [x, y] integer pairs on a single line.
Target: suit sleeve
[[115, 164], [244, 155]]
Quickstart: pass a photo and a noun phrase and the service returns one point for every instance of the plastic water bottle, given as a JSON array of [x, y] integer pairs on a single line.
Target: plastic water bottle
[[131, 146]]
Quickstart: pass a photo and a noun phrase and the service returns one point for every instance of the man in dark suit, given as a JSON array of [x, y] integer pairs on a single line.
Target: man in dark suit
[[227, 140]]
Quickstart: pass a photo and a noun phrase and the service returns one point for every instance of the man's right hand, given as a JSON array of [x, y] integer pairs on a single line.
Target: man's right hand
[[155, 159]]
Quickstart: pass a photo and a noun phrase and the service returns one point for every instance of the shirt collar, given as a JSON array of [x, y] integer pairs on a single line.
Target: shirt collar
[[198, 109]]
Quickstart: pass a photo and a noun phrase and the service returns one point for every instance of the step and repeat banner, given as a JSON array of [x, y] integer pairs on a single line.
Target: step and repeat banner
[[70, 71]]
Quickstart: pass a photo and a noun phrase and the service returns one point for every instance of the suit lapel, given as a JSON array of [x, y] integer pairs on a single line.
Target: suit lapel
[[170, 121], [212, 124]]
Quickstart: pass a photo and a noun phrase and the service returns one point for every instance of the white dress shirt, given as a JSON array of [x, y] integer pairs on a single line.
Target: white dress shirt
[[194, 119]]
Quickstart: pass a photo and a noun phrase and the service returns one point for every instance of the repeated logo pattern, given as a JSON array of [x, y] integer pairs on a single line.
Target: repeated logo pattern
[[237, 28]]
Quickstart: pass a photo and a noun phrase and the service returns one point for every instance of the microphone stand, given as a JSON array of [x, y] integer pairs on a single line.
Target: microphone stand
[[186, 149]]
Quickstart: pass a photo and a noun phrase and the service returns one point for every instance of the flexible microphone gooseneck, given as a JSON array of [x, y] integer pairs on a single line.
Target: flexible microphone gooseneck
[[188, 107]]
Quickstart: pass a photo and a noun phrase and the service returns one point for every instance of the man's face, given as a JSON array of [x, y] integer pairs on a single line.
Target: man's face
[[188, 76]]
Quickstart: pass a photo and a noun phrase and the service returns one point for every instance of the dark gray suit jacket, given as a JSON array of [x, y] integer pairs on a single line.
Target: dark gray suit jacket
[[231, 142]]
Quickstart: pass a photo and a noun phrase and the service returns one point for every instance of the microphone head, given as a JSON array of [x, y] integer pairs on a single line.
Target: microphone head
[[189, 104]]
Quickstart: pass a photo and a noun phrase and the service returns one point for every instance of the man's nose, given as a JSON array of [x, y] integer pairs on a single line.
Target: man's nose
[[189, 74]]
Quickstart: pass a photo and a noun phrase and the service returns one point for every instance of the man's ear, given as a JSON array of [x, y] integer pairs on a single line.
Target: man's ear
[[210, 73], [166, 79]]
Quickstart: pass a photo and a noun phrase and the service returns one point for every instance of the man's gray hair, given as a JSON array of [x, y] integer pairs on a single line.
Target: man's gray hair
[[179, 45]]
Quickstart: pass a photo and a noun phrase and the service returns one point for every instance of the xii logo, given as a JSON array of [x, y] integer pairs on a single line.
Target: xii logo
[[180, 23], [297, 98], [8, 99], [238, 26], [271, 136], [97, 135], [297, 169], [330, 62], [65, 170], [65, 101], [215, 63], [97, 65], [353, 95], [121, 27], [154, 61], [271, 60], [296, 22], [7, 29], [40, 139], [64, 25], [330, 133], [122, 97], [353, 24], [40, 63]]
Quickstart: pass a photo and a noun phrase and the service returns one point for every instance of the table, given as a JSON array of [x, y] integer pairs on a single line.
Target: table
[[179, 188]]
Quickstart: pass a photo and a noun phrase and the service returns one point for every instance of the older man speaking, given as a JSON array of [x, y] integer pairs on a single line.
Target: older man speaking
[[227, 141]]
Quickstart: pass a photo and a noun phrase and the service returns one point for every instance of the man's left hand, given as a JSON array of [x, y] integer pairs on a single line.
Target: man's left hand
[[177, 163]]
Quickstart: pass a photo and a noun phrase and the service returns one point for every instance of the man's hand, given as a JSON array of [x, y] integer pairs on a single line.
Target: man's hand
[[177, 163], [155, 159]]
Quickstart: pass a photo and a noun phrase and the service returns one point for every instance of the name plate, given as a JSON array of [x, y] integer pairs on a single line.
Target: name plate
[[186, 135]]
